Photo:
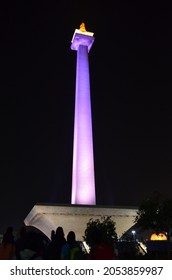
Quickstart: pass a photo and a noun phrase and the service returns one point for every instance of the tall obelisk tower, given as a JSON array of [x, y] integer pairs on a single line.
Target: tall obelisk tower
[[83, 181], [47, 217]]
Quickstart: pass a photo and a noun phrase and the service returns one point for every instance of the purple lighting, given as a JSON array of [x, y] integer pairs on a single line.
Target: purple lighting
[[83, 182]]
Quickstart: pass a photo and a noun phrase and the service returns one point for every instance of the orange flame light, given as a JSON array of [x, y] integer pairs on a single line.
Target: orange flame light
[[160, 236], [82, 27]]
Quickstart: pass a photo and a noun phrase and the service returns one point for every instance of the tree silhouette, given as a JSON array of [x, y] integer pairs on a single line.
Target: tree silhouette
[[156, 213], [105, 226]]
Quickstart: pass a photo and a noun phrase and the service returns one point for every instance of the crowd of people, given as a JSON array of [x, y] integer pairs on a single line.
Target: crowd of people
[[31, 245]]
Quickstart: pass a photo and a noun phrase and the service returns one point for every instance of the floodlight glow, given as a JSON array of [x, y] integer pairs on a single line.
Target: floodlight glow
[[83, 182]]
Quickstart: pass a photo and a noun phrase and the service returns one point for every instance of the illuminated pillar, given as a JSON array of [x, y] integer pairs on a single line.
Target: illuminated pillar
[[83, 182]]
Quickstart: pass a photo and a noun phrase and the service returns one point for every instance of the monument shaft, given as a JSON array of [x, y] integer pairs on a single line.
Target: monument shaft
[[83, 181]]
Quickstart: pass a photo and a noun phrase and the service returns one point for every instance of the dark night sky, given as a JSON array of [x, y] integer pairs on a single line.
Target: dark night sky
[[131, 85]]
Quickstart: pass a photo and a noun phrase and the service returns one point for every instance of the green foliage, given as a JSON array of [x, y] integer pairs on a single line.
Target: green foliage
[[105, 226], [156, 213]]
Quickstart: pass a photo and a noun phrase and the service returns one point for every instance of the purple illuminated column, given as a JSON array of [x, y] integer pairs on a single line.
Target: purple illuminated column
[[83, 182]]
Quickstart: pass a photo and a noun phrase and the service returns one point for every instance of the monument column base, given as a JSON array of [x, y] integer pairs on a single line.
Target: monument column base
[[48, 217]]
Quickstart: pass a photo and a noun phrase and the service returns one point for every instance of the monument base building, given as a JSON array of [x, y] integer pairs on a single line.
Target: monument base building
[[48, 217]]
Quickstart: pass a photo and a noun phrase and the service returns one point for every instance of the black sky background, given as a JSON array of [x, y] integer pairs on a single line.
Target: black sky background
[[130, 68]]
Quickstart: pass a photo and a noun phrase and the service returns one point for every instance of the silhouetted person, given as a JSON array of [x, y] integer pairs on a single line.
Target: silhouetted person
[[21, 242], [7, 247], [101, 250], [53, 251], [71, 250], [53, 234]]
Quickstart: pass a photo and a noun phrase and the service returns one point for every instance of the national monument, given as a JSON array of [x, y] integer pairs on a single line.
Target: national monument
[[47, 217]]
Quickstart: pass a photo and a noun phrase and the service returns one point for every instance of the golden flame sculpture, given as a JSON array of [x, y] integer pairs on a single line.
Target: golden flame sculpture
[[82, 27]]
